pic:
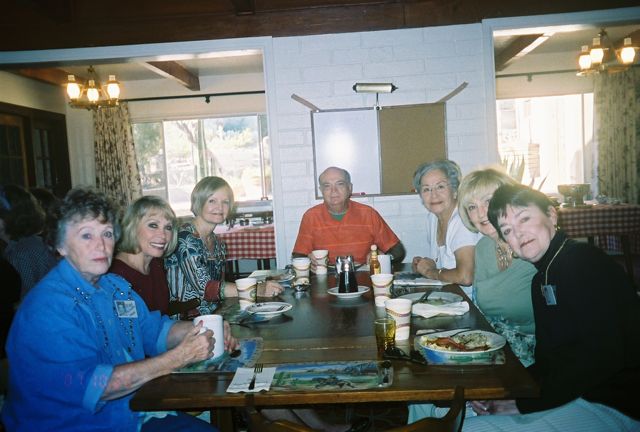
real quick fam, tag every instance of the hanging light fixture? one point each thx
(602, 56)
(93, 95)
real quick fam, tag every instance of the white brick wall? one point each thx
(425, 64)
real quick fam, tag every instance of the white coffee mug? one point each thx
(215, 324)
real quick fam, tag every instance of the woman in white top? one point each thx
(450, 245)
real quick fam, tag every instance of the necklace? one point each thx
(504, 256)
(546, 271)
(126, 324)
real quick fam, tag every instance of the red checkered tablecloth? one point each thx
(602, 221)
(248, 242)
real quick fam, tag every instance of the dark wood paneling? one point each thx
(55, 124)
(86, 24)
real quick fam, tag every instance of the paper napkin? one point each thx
(427, 310)
(243, 377)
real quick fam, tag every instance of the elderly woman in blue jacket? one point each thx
(82, 341)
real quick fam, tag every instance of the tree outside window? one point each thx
(234, 148)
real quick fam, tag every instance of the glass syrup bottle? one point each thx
(374, 264)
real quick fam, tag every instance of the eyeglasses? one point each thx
(395, 353)
(438, 188)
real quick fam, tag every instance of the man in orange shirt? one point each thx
(342, 226)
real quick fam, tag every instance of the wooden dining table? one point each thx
(322, 328)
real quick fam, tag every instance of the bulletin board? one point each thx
(379, 147)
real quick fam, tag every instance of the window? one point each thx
(174, 154)
(551, 136)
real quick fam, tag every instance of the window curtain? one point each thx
(617, 125)
(116, 165)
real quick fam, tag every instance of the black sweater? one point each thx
(588, 344)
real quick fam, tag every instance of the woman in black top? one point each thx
(587, 313)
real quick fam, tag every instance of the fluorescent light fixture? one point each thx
(374, 88)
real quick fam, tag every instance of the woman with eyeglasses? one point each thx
(450, 244)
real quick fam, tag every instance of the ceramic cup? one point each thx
(385, 263)
(246, 291)
(321, 256)
(215, 324)
(382, 284)
(301, 266)
(400, 310)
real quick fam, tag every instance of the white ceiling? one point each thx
(561, 50)
(212, 64)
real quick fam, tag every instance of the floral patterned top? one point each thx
(195, 272)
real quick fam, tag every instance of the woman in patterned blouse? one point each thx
(195, 270)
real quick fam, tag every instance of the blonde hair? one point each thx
(133, 216)
(204, 189)
(477, 184)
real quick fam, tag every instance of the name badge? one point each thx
(126, 308)
(549, 293)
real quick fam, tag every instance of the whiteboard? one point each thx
(349, 139)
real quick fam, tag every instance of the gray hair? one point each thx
(450, 169)
(345, 173)
(84, 203)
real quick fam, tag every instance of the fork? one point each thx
(256, 370)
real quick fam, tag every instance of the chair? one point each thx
(451, 422)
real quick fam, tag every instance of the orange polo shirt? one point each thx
(359, 228)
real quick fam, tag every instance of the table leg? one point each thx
(222, 418)
(628, 259)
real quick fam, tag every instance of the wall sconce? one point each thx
(376, 88)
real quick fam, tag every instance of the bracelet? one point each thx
(439, 273)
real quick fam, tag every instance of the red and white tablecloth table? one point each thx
(248, 242)
(609, 223)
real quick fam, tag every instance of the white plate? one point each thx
(435, 298)
(269, 309)
(361, 290)
(494, 341)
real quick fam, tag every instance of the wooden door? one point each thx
(13, 153)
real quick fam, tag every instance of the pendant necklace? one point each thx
(546, 271)
(549, 291)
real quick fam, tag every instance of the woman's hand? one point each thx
(495, 407)
(230, 343)
(423, 265)
(269, 289)
(195, 346)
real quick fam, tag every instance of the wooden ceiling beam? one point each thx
(518, 45)
(175, 71)
(55, 76)
(244, 7)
